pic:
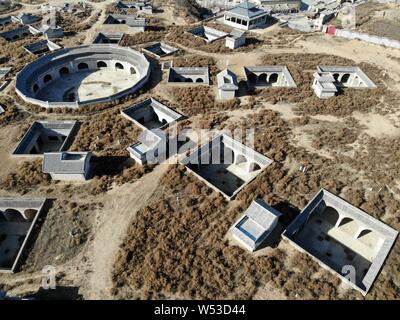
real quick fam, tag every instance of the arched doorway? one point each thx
(252, 78)
(345, 78)
(262, 79)
(349, 226)
(101, 64)
(253, 166)
(47, 78)
(240, 159)
(83, 66)
(13, 215)
(336, 77)
(63, 71)
(119, 65)
(273, 78)
(330, 215)
(199, 80)
(30, 214)
(133, 71)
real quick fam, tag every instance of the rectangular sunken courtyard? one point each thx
(41, 47)
(160, 49)
(189, 75)
(207, 34)
(46, 136)
(151, 114)
(268, 76)
(226, 165)
(17, 219)
(342, 238)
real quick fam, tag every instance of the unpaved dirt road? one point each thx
(121, 205)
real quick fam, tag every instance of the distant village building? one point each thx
(257, 223)
(140, 6)
(67, 166)
(246, 16)
(235, 39)
(227, 84)
(280, 5)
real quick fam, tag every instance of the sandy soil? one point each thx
(121, 205)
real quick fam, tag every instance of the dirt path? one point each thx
(121, 206)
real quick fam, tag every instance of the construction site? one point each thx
(93, 92)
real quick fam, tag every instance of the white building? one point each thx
(150, 148)
(227, 84)
(245, 16)
(67, 166)
(255, 225)
(235, 39)
(280, 5)
(323, 85)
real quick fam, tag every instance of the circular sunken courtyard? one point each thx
(83, 75)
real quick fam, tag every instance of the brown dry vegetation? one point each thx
(194, 60)
(106, 134)
(177, 247)
(200, 100)
(11, 114)
(180, 36)
(14, 55)
(78, 20)
(188, 9)
(26, 177)
(142, 37)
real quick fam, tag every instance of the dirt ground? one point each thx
(378, 19)
(158, 232)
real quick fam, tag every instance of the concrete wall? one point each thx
(32, 78)
(188, 76)
(225, 94)
(233, 43)
(368, 38)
